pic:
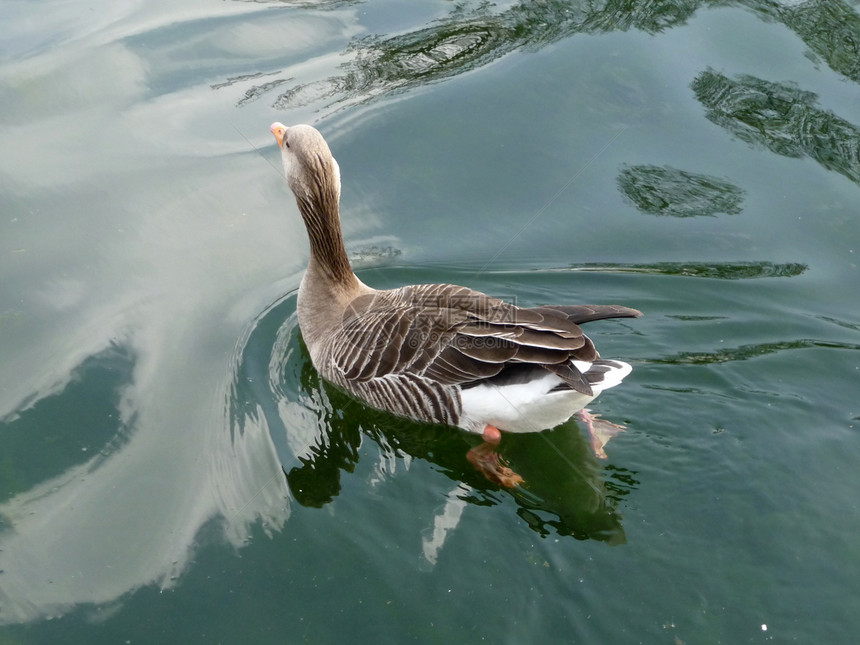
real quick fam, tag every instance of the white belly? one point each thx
(529, 407)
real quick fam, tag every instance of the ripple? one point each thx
(782, 118)
(717, 270)
(318, 433)
(666, 191)
(746, 352)
(474, 36)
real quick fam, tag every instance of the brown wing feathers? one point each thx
(458, 336)
(581, 314)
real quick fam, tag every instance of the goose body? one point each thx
(438, 353)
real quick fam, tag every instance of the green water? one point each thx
(173, 470)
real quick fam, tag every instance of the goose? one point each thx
(437, 353)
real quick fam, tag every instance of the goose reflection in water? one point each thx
(567, 491)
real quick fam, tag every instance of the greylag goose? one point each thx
(437, 353)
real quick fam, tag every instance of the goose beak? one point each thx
(279, 130)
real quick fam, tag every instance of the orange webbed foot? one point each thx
(487, 460)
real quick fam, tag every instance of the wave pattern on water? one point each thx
(781, 118)
(831, 29)
(662, 190)
(746, 352)
(473, 35)
(718, 270)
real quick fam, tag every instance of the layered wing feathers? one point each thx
(457, 336)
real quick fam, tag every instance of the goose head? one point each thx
(309, 167)
(314, 177)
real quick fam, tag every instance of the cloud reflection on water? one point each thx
(130, 242)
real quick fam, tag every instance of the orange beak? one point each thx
(279, 130)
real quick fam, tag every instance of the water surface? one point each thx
(173, 469)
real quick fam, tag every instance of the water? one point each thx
(696, 161)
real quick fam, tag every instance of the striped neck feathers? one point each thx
(317, 192)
